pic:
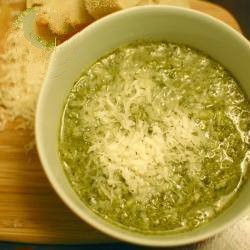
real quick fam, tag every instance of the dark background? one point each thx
(241, 11)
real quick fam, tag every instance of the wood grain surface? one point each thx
(30, 211)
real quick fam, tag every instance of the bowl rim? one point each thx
(129, 236)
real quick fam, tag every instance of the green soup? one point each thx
(155, 137)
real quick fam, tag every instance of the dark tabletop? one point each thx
(241, 10)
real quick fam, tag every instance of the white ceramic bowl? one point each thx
(67, 62)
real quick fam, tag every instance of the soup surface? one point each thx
(155, 137)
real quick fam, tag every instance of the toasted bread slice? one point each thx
(100, 8)
(62, 18)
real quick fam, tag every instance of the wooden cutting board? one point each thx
(30, 211)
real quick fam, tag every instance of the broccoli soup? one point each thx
(155, 138)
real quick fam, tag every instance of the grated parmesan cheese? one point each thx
(22, 68)
(138, 152)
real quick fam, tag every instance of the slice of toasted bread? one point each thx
(100, 8)
(60, 17)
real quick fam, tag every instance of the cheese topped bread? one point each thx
(100, 8)
(62, 18)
